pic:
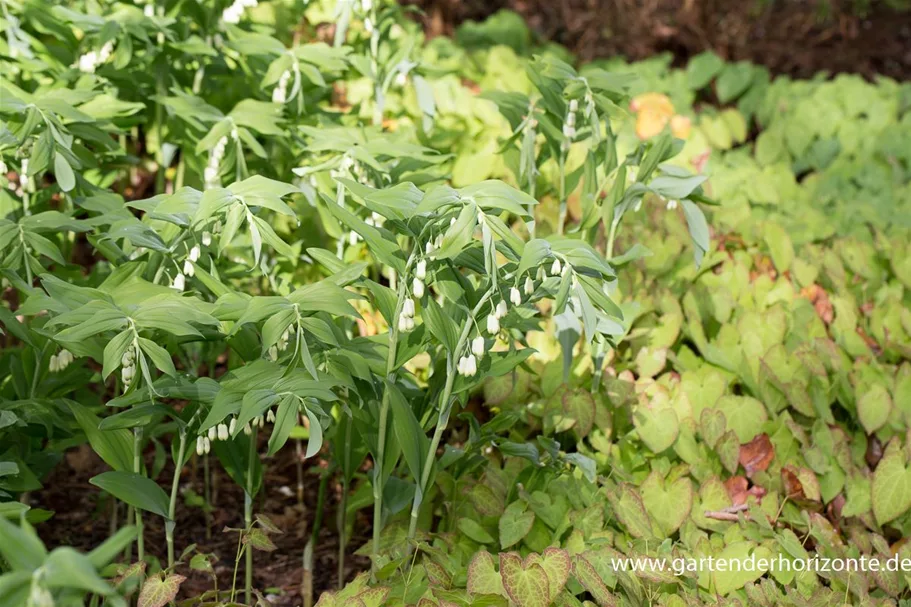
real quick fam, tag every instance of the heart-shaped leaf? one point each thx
(891, 485)
(556, 564)
(526, 583)
(483, 577)
(668, 504)
(157, 592)
(515, 523)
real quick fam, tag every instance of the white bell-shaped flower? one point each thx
(420, 270)
(417, 287)
(493, 324)
(501, 309)
(529, 285)
(555, 268)
(478, 346)
(515, 296)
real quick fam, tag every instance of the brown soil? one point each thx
(796, 37)
(82, 520)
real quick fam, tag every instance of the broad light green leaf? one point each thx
(891, 487)
(134, 489)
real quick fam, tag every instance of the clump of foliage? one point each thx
(221, 235)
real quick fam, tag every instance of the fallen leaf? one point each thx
(756, 455)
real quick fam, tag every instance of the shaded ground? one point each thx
(796, 37)
(83, 520)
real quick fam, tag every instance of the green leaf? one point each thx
(482, 575)
(160, 357)
(874, 405)
(699, 228)
(20, 546)
(66, 568)
(515, 523)
(475, 531)
(285, 420)
(64, 173)
(891, 487)
(258, 539)
(408, 431)
(115, 447)
(135, 490)
(668, 504)
(702, 69)
(535, 252)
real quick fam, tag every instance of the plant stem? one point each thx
(342, 517)
(137, 468)
(609, 254)
(159, 132)
(384, 417)
(561, 220)
(207, 495)
(171, 523)
(443, 419)
(248, 517)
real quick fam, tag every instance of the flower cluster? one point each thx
(215, 157)
(406, 320)
(233, 13)
(60, 361)
(280, 92)
(224, 431)
(92, 59)
(281, 346)
(128, 372)
(569, 123)
(188, 267)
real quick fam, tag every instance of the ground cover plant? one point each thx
(522, 316)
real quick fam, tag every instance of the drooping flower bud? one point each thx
(501, 309)
(529, 285)
(515, 296)
(420, 270)
(471, 365)
(403, 323)
(206, 239)
(477, 346)
(213, 433)
(541, 274)
(672, 205)
(194, 253)
(188, 268)
(200, 445)
(270, 416)
(573, 105)
(408, 308)
(179, 282)
(232, 426)
(555, 268)
(247, 429)
(417, 287)
(223, 432)
(493, 324)
(208, 445)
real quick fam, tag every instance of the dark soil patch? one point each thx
(83, 520)
(795, 37)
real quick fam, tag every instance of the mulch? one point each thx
(83, 520)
